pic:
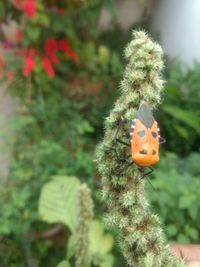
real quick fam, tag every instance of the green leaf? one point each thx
(33, 32)
(185, 201)
(109, 6)
(193, 233)
(183, 239)
(193, 211)
(40, 6)
(71, 246)
(84, 127)
(185, 116)
(63, 264)
(2, 10)
(104, 55)
(88, 51)
(58, 201)
(57, 26)
(43, 19)
(100, 243)
(182, 131)
(68, 28)
(171, 229)
(107, 261)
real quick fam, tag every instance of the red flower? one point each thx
(51, 47)
(29, 62)
(9, 75)
(71, 54)
(17, 2)
(19, 35)
(61, 11)
(29, 8)
(64, 46)
(1, 63)
(48, 67)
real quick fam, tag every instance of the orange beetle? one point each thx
(144, 138)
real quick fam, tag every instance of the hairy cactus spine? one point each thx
(140, 235)
(83, 256)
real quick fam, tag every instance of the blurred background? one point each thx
(60, 67)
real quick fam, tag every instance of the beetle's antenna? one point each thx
(151, 184)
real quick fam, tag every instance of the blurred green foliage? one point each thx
(61, 121)
(56, 135)
(180, 113)
(59, 204)
(176, 199)
(101, 244)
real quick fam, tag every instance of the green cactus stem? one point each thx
(140, 234)
(83, 255)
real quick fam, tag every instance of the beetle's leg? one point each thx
(117, 132)
(147, 173)
(162, 140)
(122, 159)
(122, 142)
(126, 167)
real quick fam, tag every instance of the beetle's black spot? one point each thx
(141, 133)
(154, 134)
(153, 152)
(144, 151)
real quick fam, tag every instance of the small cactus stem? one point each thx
(83, 255)
(140, 234)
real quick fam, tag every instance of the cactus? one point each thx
(140, 234)
(83, 255)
